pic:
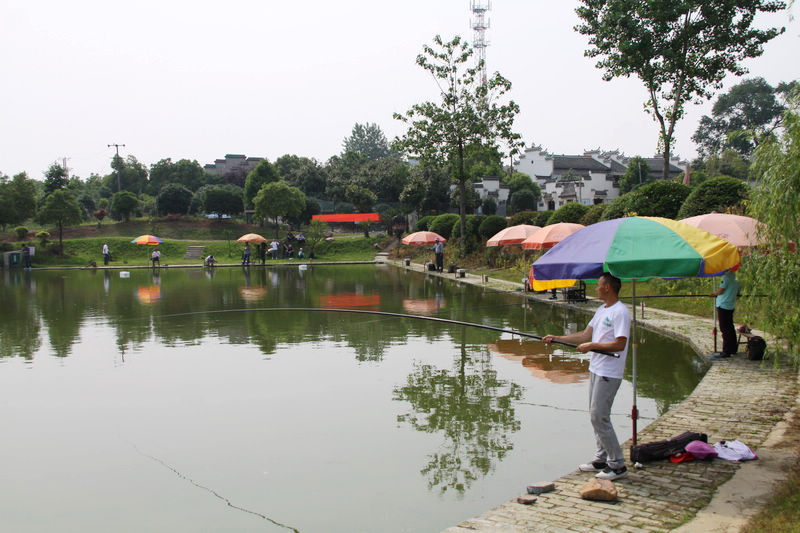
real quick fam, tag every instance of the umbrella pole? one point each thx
(714, 304)
(634, 409)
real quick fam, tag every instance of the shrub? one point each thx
(523, 201)
(569, 212)
(472, 225)
(344, 207)
(443, 224)
(717, 194)
(491, 225)
(424, 223)
(173, 198)
(659, 199)
(618, 207)
(543, 217)
(43, 237)
(489, 206)
(21, 232)
(524, 217)
(593, 215)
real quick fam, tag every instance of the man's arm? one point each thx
(572, 338)
(617, 345)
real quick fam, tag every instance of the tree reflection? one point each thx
(471, 407)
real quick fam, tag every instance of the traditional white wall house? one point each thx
(490, 187)
(591, 178)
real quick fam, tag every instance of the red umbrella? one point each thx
(549, 236)
(422, 238)
(512, 235)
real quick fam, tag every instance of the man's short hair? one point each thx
(614, 282)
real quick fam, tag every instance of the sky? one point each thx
(198, 79)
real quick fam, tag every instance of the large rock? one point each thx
(599, 489)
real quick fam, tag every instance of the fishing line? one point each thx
(212, 491)
(579, 410)
(380, 313)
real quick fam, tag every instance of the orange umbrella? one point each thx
(740, 231)
(422, 238)
(512, 235)
(151, 240)
(549, 236)
(251, 237)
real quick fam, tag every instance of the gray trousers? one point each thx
(601, 398)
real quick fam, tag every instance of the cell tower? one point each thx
(480, 23)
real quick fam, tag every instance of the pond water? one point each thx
(168, 402)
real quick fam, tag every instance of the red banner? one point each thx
(349, 217)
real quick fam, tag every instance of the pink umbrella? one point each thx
(512, 235)
(549, 236)
(422, 238)
(738, 230)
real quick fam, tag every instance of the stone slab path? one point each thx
(737, 399)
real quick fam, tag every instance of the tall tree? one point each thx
(302, 172)
(680, 50)
(17, 198)
(468, 114)
(277, 199)
(368, 140)
(184, 172)
(55, 178)
(740, 118)
(263, 174)
(59, 208)
(636, 175)
(173, 199)
(129, 175)
(123, 204)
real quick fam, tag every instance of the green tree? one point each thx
(774, 202)
(190, 174)
(360, 197)
(659, 199)
(123, 205)
(277, 199)
(59, 208)
(443, 224)
(681, 51)
(469, 114)
(301, 172)
(491, 225)
(619, 207)
(593, 215)
(342, 171)
(223, 200)
(519, 181)
(489, 206)
(427, 190)
(569, 212)
(722, 194)
(17, 199)
(523, 200)
(728, 163)
(315, 233)
(55, 178)
(367, 140)
(740, 118)
(129, 175)
(523, 217)
(173, 199)
(636, 175)
(263, 174)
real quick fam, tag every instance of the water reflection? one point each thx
(471, 407)
(542, 362)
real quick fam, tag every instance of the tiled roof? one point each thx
(578, 162)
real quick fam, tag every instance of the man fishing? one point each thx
(609, 330)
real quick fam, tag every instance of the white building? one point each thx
(591, 178)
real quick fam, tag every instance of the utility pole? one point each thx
(66, 170)
(116, 146)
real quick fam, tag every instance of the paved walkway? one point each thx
(737, 399)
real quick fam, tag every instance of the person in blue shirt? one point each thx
(726, 304)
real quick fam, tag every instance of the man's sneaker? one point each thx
(594, 466)
(612, 473)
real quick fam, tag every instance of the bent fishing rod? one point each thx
(383, 313)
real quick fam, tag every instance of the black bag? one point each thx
(662, 449)
(755, 348)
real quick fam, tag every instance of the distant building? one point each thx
(591, 178)
(490, 187)
(232, 163)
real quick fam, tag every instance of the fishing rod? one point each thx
(688, 296)
(383, 313)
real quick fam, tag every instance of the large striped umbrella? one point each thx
(736, 229)
(151, 240)
(251, 237)
(422, 238)
(550, 235)
(637, 247)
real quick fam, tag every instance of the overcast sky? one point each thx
(199, 79)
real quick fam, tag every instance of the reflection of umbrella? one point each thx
(637, 247)
(350, 300)
(423, 306)
(553, 368)
(252, 294)
(422, 238)
(251, 237)
(148, 295)
(512, 235)
(550, 235)
(151, 240)
(737, 230)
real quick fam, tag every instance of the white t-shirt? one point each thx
(607, 324)
(105, 249)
